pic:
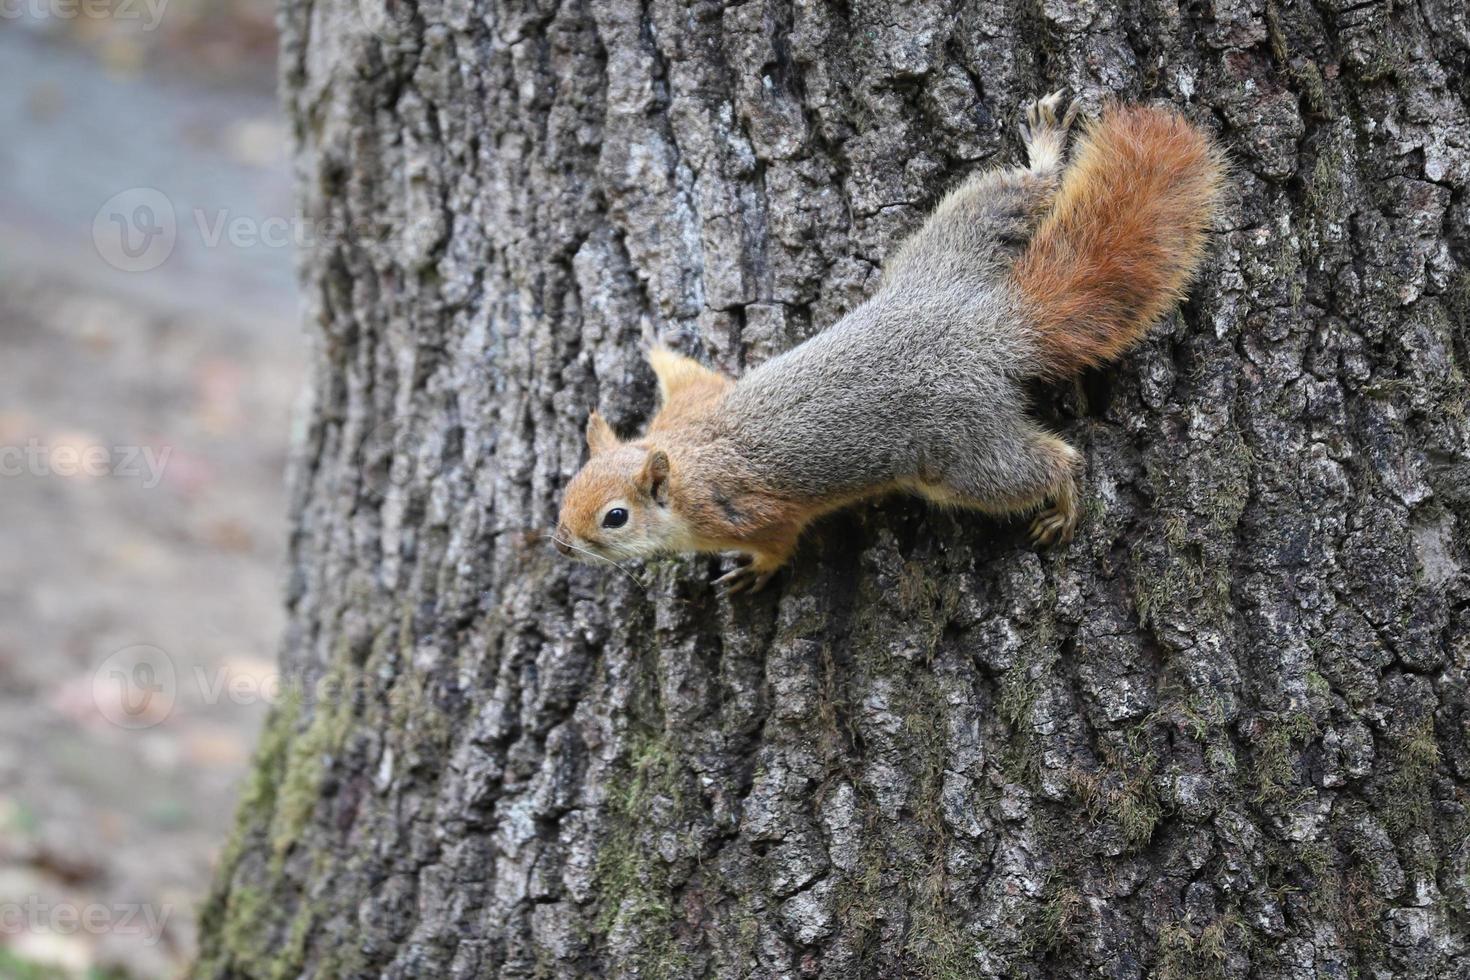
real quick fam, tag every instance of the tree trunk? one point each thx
(1223, 733)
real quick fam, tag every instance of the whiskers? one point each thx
(592, 554)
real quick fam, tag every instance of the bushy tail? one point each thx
(1125, 236)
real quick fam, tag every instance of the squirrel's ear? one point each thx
(654, 478)
(600, 436)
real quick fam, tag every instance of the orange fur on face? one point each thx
(672, 515)
(610, 478)
(1125, 236)
(639, 476)
(667, 513)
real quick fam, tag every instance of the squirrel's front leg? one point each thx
(755, 568)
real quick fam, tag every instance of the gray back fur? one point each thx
(917, 383)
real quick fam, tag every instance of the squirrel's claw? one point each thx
(1053, 526)
(1044, 125)
(744, 577)
(1043, 111)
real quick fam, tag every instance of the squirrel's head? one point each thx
(617, 506)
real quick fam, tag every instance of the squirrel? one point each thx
(1021, 272)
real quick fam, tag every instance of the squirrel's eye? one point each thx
(616, 517)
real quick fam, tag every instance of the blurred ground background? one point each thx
(194, 365)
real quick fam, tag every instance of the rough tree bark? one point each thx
(1224, 733)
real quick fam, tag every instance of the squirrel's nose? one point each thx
(561, 543)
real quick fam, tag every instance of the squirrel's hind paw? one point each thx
(1044, 132)
(1054, 526)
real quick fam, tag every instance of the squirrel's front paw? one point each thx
(746, 576)
(1044, 133)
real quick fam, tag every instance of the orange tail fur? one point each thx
(1125, 236)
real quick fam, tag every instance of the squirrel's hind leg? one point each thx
(1044, 131)
(1055, 524)
(981, 225)
(1024, 475)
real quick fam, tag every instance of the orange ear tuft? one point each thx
(654, 477)
(600, 436)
